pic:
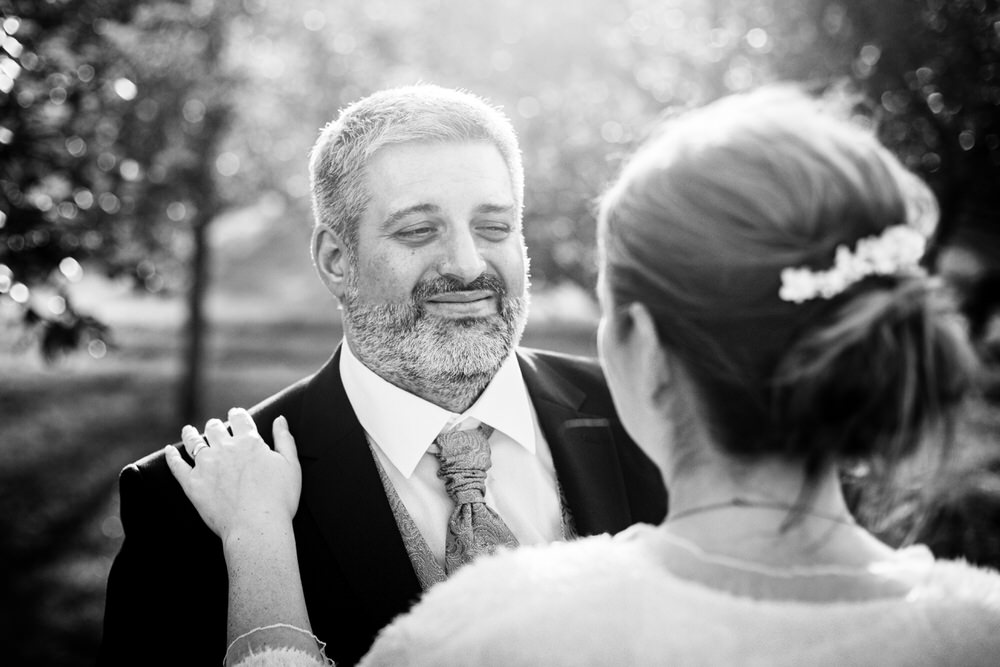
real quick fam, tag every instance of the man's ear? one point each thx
(330, 257)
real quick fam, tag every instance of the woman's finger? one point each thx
(241, 422)
(284, 443)
(217, 434)
(192, 440)
(180, 469)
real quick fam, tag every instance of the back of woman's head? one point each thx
(726, 226)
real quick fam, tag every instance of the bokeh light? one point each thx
(12, 46)
(126, 89)
(194, 111)
(176, 211)
(20, 293)
(57, 305)
(130, 169)
(84, 198)
(97, 349)
(11, 25)
(71, 269)
(314, 20)
(227, 164)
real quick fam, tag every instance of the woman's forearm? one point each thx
(266, 601)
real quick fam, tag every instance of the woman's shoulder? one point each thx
(610, 600)
(952, 614)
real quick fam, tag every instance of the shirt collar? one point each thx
(405, 430)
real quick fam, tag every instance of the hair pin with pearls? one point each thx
(897, 249)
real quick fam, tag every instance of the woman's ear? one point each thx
(330, 257)
(651, 363)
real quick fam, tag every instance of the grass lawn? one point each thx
(67, 429)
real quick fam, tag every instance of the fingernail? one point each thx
(188, 429)
(281, 422)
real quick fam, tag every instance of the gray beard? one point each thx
(448, 362)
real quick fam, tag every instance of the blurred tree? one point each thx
(111, 118)
(177, 55)
(65, 178)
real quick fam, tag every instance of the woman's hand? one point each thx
(238, 484)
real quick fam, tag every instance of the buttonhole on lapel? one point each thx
(586, 423)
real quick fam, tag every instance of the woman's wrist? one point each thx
(257, 537)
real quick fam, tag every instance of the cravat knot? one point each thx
(474, 527)
(465, 458)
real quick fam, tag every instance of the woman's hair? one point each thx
(700, 226)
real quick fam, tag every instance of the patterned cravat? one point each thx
(473, 528)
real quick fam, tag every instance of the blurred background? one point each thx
(154, 214)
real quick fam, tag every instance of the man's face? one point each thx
(438, 290)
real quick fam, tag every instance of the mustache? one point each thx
(427, 289)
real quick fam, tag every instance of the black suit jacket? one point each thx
(167, 591)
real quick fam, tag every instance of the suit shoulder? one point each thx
(286, 402)
(152, 467)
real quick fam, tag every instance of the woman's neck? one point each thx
(717, 477)
(751, 530)
(766, 511)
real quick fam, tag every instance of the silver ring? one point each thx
(197, 449)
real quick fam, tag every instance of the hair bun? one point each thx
(888, 360)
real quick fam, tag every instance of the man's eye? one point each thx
(415, 233)
(494, 231)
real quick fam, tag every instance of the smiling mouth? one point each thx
(473, 303)
(461, 297)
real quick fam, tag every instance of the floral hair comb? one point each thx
(897, 248)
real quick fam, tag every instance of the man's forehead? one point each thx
(429, 150)
(415, 174)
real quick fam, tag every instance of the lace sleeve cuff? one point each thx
(277, 645)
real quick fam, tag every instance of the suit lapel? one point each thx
(341, 489)
(583, 450)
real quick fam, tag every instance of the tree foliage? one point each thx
(112, 118)
(65, 177)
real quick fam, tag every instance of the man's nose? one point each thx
(463, 259)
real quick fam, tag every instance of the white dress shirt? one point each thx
(521, 484)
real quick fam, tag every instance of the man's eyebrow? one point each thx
(396, 216)
(495, 208)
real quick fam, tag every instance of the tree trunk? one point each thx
(192, 384)
(205, 196)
